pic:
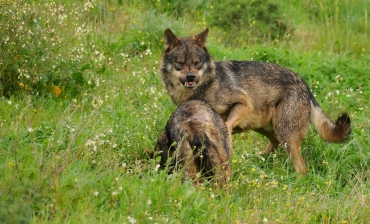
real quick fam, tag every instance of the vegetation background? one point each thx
(82, 98)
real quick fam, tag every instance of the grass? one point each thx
(77, 154)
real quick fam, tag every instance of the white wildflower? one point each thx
(156, 167)
(131, 220)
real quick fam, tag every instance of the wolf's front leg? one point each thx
(237, 114)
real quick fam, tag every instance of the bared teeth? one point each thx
(189, 84)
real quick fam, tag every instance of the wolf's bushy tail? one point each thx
(332, 132)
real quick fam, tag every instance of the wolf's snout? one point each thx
(190, 77)
(190, 81)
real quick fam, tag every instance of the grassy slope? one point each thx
(82, 158)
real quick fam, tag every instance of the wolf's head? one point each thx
(185, 60)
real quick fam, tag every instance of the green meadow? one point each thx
(82, 101)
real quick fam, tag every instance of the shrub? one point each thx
(258, 20)
(44, 48)
(176, 8)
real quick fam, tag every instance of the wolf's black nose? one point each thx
(190, 77)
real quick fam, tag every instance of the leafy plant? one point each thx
(41, 47)
(257, 21)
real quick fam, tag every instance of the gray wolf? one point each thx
(195, 140)
(248, 95)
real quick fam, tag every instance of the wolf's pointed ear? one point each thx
(201, 38)
(170, 40)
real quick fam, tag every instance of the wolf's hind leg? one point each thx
(293, 148)
(292, 121)
(291, 142)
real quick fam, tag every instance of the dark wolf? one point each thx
(267, 98)
(195, 139)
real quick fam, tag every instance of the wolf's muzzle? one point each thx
(190, 77)
(190, 80)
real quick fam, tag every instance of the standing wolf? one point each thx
(196, 139)
(264, 97)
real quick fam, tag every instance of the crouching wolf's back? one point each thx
(196, 139)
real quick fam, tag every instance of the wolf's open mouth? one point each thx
(189, 84)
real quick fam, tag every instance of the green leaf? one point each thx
(44, 78)
(85, 67)
(101, 70)
(78, 77)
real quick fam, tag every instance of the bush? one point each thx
(258, 20)
(178, 9)
(44, 48)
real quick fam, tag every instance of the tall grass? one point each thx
(76, 152)
(330, 25)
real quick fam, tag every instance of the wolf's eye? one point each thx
(197, 63)
(180, 63)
